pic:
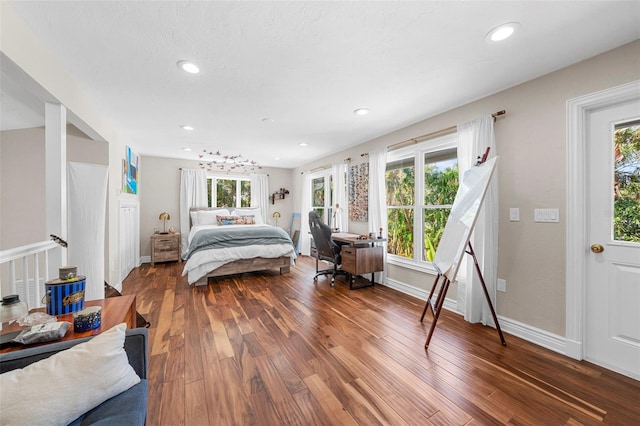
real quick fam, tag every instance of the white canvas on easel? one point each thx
(455, 238)
(462, 218)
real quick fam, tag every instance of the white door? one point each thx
(612, 316)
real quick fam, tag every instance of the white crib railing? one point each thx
(29, 284)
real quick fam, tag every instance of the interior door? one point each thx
(612, 314)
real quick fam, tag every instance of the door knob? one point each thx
(597, 248)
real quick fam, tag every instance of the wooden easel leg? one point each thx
(428, 303)
(438, 308)
(486, 294)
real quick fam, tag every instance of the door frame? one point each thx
(578, 111)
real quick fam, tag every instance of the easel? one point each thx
(436, 307)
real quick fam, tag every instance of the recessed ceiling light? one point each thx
(186, 127)
(361, 111)
(502, 32)
(303, 144)
(189, 67)
(276, 158)
(186, 149)
(267, 120)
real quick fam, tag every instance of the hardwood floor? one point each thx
(273, 349)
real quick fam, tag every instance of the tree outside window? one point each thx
(322, 196)
(229, 192)
(626, 197)
(415, 230)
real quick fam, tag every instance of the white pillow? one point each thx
(250, 211)
(57, 390)
(203, 217)
(208, 217)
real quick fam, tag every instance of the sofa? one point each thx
(126, 408)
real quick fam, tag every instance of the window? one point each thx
(421, 184)
(229, 192)
(322, 195)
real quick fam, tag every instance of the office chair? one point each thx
(326, 248)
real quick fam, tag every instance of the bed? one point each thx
(234, 241)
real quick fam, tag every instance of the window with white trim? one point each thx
(226, 191)
(421, 184)
(322, 195)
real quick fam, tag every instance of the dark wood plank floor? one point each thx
(271, 349)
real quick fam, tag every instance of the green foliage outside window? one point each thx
(626, 222)
(400, 184)
(245, 193)
(440, 188)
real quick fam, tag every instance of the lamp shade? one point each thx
(164, 216)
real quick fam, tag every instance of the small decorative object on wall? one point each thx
(276, 216)
(130, 172)
(359, 193)
(279, 195)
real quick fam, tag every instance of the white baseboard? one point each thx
(145, 259)
(524, 331)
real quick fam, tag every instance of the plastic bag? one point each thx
(43, 333)
(36, 318)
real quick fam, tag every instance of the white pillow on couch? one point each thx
(59, 389)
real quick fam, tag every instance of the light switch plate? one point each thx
(514, 214)
(547, 215)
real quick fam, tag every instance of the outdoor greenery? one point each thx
(441, 185)
(626, 222)
(226, 192)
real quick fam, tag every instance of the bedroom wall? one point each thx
(531, 141)
(160, 189)
(22, 177)
(22, 181)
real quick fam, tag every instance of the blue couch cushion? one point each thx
(127, 408)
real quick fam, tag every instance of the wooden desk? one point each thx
(115, 310)
(360, 256)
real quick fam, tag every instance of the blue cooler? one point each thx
(65, 296)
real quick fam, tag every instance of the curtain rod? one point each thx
(432, 135)
(326, 166)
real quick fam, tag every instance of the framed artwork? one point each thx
(130, 172)
(358, 177)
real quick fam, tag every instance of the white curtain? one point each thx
(377, 197)
(338, 170)
(193, 193)
(305, 206)
(260, 194)
(86, 219)
(473, 139)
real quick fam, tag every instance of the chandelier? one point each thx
(213, 161)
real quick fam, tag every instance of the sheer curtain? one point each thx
(473, 139)
(193, 193)
(305, 206)
(260, 194)
(377, 197)
(340, 196)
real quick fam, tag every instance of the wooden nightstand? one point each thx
(165, 248)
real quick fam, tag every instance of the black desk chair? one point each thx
(326, 248)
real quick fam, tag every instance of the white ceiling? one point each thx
(305, 65)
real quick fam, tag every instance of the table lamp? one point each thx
(164, 216)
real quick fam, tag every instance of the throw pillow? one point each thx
(57, 390)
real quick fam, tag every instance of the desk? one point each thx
(360, 256)
(114, 311)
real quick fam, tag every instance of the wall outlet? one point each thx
(501, 285)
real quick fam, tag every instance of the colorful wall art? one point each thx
(130, 172)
